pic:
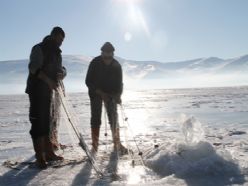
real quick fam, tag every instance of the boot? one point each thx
(54, 135)
(39, 152)
(50, 155)
(95, 138)
(56, 146)
(54, 140)
(117, 143)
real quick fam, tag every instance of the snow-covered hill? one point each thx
(201, 72)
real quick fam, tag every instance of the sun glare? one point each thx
(128, 1)
(128, 36)
(135, 21)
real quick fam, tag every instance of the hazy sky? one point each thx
(162, 30)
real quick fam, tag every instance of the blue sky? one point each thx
(162, 30)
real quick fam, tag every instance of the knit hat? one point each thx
(58, 30)
(107, 47)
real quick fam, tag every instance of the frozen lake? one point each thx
(200, 135)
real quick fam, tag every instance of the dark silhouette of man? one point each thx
(104, 82)
(45, 73)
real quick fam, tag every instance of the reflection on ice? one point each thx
(135, 175)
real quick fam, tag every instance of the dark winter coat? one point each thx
(51, 65)
(107, 78)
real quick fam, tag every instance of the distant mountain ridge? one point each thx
(15, 71)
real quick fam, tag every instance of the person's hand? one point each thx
(60, 76)
(52, 84)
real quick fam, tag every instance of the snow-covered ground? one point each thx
(187, 136)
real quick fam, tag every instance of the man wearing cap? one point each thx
(104, 82)
(45, 73)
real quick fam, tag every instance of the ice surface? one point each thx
(187, 136)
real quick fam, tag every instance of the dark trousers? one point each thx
(39, 115)
(96, 112)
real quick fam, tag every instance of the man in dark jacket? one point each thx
(45, 73)
(104, 81)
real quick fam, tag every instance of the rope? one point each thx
(130, 153)
(80, 136)
(125, 118)
(68, 115)
(113, 121)
(105, 123)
